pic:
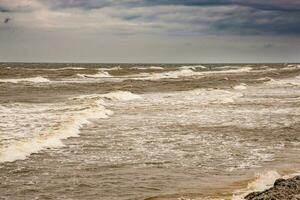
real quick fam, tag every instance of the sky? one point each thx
(150, 31)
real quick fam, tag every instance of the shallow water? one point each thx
(99, 131)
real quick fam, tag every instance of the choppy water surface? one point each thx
(100, 131)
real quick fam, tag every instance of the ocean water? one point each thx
(137, 131)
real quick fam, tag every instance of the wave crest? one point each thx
(49, 124)
(37, 79)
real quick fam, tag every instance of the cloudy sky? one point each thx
(150, 30)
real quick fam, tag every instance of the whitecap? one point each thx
(30, 128)
(37, 79)
(193, 67)
(155, 67)
(101, 74)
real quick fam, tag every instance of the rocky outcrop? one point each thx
(283, 189)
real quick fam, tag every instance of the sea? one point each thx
(147, 131)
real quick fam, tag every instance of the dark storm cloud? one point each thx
(280, 5)
(4, 10)
(83, 4)
(251, 21)
(253, 17)
(250, 16)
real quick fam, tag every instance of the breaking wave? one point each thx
(37, 79)
(146, 68)
(295, 81)
(167, 75)
(100, 74)
(186, 71)
(31, 128)
(193, 67)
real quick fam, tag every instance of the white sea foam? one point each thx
(193, 67)
(100, 74)
(155, 67)
(228, 67)
(121, 96)
(215, 96)
(166, 75)
(66, 68)
(63, 122)
(116, 96)
(231, 71)
(185, 71)
(37, 79)
(241, 86)
(56, 69)
(73, 68)
(28, 129)
(197, 97)
(109, 68)
(147, 68)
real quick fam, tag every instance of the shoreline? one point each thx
(288, 189)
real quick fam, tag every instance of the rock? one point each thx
(283, 189)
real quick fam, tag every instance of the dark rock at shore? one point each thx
(283, 189)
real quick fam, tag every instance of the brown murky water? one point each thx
(134, 131)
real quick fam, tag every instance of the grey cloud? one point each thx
(287, 5)
(190, 17)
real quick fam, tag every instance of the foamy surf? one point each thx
(147, 68)
(57, 69)
(33, 134)
(167, 75)
(117, 95)
(37, 79)
(185, 71)
(193, 67)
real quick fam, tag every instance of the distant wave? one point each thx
(230, 71)
(118, 95)
(170, 74)
(109, 68)
(70, 68)
(37, 79)
(193, 67)
(103, 75)
(100, 74)
(45, 126)
(55, 69)
(291, 67)
(183, 72)
(155, 67)
(295, 81)
(147, 68)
